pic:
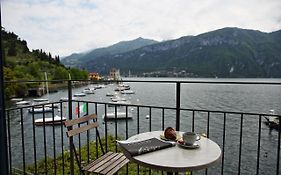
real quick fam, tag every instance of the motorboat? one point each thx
(127, 92)
(117, 98)
(118, 103)
(79, 94)
(40, 109)
(110, 94)
(100, 86)
(20, 103)
(17, 99)
(41, 100)
(272, 120)
(89, 91)
(56, 120)
(119, 116)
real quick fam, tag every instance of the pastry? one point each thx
(170, 133)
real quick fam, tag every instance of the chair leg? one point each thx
(77, 160)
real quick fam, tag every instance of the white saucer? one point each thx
(195, 145)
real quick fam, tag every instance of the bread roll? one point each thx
(170, 133)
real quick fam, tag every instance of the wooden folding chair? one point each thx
(108, 163)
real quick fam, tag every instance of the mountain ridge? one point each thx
(227, 52)
(120, 47)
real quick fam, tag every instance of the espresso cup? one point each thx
(190, 138)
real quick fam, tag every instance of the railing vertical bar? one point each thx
(116, 112)
(223, 142)
(45, 140)
(9, 142)
(97, 152)
(22, 139)
(70, 118)
(62, 133)
(138, 129)
(163, 119)
(240, 144)
(150, 116)
(278, 147)
(79, 135)
(54, 141)
(127, 135)
(127, 167)
(178, 101)
(193, 122)
(105, 126)
(208, 132)
(259, 145)
(88, 136)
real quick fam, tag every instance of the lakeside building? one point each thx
(114, 74)
(94, 76)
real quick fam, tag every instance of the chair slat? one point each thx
(96, 166)
(107, 164)
(115, 165)
(80, 120)
(90, 165)
(76, 131)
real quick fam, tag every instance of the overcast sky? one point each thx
(63, 27)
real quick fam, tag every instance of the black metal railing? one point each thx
(248, 146)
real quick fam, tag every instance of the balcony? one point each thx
(248, 145)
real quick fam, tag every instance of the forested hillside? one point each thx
(227, 52)
(22, 64)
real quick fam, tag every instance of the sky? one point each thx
(63, 27)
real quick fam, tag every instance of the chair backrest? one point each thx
(90, 121)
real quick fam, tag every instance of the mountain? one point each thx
(227, 52)
(78, 60)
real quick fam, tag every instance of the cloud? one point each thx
(66, 26)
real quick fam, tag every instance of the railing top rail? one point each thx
(214, 81)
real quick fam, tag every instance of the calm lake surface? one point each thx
(217, 97)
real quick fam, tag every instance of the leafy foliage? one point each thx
(22, 64)
(132, 167)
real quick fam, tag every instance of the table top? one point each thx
(176, 158)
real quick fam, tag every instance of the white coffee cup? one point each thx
(190, 138)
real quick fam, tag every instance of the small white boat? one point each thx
(57, 120)
(272, 121)
(66, 99)
(17, 99)
(116, 99)
(110, 94)
(89, 91)
(120, 116)
(22, 103)
(40, 109)
(127, 92)
(41, 100)
(99, 86)
(118, 103)
(79, 95)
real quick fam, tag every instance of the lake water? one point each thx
(217, 97)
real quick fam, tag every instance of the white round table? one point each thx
(176, 158)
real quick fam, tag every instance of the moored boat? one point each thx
(119, 116)
(40, 109)
(272, 120)
(56, 120)
(79, 95)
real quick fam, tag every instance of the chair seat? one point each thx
(107, 164)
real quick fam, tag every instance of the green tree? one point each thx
(12, 51)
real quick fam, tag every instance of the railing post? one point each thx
(3, 131)
(178, 101)
(70, 138)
